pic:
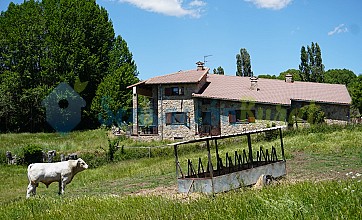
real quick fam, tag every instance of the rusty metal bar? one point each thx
(245, 158)
(176, 160)
(218, 159)
(250, 150)
(281, 142)
(179, 167)
(210, 164)
(190, 169)
(231, 166)
(227, 159)
(267, 157)
(200, 167)
(274, 154)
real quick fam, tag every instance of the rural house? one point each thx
(195, 103)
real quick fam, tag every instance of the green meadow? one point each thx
(323, 181)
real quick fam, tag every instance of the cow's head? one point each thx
(81, 164)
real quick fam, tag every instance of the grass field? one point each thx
(323, 181)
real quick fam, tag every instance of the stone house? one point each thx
(195, 103)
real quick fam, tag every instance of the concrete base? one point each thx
(231, 181)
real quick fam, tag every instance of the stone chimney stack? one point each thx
(200, 65)
(254, 83)
(289, 78)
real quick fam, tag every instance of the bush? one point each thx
(32, 154)
(94, 159)
(312, 113)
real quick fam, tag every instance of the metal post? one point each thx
(250, 150)
(210, 165)
(176, 160)
(217, 150)
(281, 142)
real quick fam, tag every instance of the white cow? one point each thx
(62, 172)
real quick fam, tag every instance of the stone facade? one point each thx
(177, 114)
(265, 115)
(180, 104)
(334, 114)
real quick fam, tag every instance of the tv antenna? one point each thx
(205, 57)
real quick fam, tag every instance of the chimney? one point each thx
(289, 78)
(254, 83)
(200, 65)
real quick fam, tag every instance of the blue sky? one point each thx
(166, 36)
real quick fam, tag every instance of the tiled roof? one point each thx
(273, 91)
(189, 76)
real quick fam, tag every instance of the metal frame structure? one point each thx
(240, 169)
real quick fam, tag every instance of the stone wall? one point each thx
(181, 103)
(334, 113)
(265, 115)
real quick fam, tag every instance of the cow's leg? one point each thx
(60, 187)
(62, 184)
(31, 190)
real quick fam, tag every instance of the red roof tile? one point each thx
(273, 91)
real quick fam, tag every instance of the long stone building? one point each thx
(194, 103)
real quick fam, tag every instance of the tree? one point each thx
(44, 43)
(243, 63)
(356, 93)
(312, 113)
(219, 71)
(311, 66)
(295, 73)
(304, 66)
(113, 99)
(339, 76)
(267, 76)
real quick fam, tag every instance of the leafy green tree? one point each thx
(339, 76)
(295, 73)
(356, 93)
(43, 43)
(243, 63)
(311, 66)
(304, 66)
(22, 76)
(113, 100)
(219, 71)
(267, 76)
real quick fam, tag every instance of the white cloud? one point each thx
(197, 3)
(270, 4)
(170, 7)
(339, 29)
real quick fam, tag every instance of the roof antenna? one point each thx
(205, 57)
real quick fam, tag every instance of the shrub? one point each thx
(271, 135)
(33, 154)
(112, 148)
(94, 159)
(312, 113)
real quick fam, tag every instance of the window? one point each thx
(176, 118)
(174, 91)
(242, 116)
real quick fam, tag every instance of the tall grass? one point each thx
(325, 200)
(107, 191)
